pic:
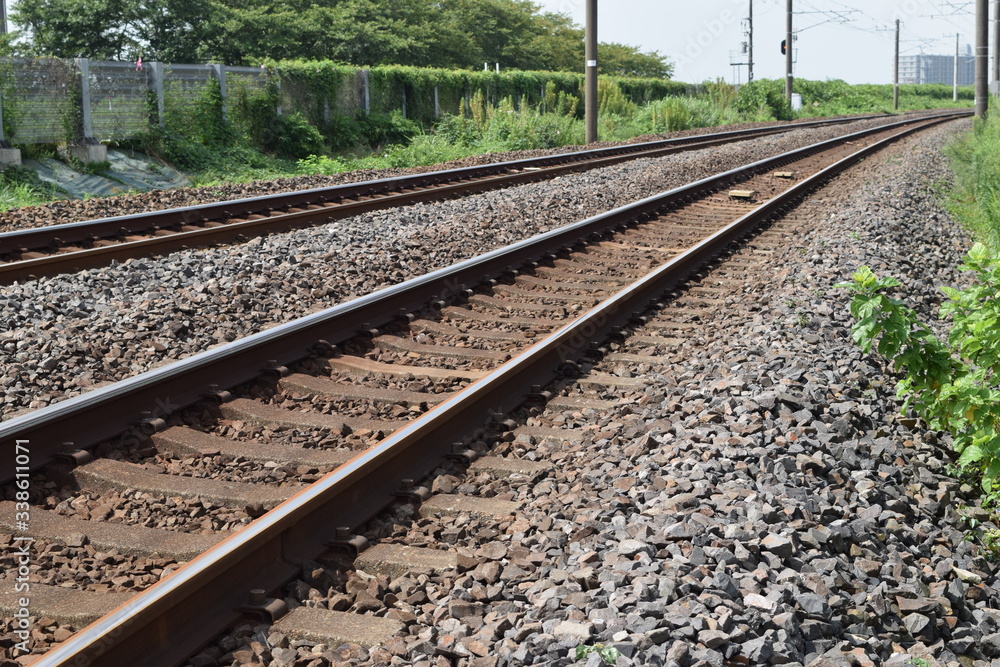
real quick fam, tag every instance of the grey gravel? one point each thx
(63, 335)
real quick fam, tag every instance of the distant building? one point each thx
(937, 69)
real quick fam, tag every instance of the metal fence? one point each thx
(49, 100)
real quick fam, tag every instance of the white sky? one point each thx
(699, 37)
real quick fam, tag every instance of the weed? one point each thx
(609, 654)
(951, 385)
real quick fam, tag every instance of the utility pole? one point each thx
(3, 17)
(788, 53)
(996, 42)
(982, 57)
(590, 91)
(750, 43)
(895, 73)
(954, 94)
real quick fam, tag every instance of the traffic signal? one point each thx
(783, 47)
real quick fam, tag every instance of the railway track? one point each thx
(365, 397)
(37, 252)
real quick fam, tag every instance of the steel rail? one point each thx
(204, 596)
(333, 202)
(120, 408)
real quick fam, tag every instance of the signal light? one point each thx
(783, 47)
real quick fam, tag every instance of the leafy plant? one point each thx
(292, 137)
(763, 99)
(609, 654)
(952, 385)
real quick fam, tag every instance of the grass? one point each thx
(21, 187)
(975, 162)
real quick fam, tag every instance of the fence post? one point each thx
(278, 108)
(156, 73)
(437, 103)
(366, 92)
(220, 76)
(8, 156)
(404, 100)
(89, 150)
(83, 64)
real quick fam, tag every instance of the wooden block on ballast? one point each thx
(742, 194)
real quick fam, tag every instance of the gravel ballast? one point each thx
(65, 334)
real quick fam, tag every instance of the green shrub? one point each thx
(379, 129)
(763, 99)
(292, 137)
(342, 133)
(684, 113)
(952, 385)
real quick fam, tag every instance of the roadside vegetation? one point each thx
(256, 143)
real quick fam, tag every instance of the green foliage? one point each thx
(320, 165)
(446, 33)
(559, 102)
(504, 128)
(611, 100)
(381, 129)
(20, 186)
(684, 113)
(622, 60)
(952, 385)
(88, 167)
(609, 654)
(763, 99)
(975, 200)
(291, 137)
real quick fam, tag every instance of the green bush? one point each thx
(342, 133)
(383, 129)
(952, 385)
(292, 137)
(685, 113)
(763, 99)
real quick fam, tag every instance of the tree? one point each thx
(622, 60)
(101, 29)
(429, 33)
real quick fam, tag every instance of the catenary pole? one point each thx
(590, 91)
(996, 42)
(982, 57)
(954, 78)
(750, 44)
(895, 73)
(788, 52)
